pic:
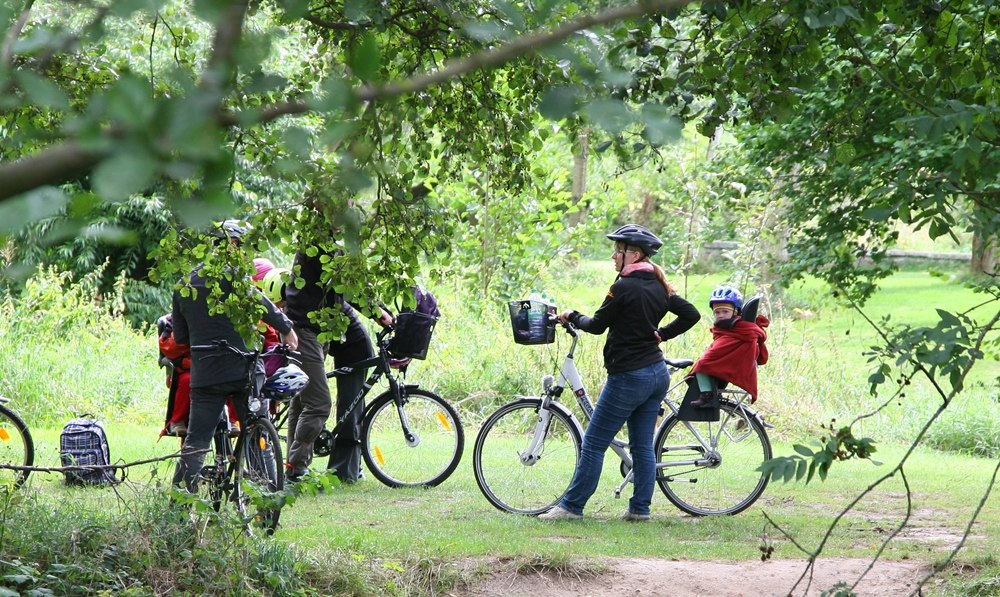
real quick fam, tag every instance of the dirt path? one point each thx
(642, 577)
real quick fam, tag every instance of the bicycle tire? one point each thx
(213, 488)
(512, 485)
(259, 462)
(16, 448)
(731, 483)
(428, 457)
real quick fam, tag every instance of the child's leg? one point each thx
(708, 388)
(704, 382)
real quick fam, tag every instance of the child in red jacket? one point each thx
(736, 350)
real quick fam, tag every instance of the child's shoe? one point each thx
(704, 400)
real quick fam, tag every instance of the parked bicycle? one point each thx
(16, 448)
(526, 452)
(253, 468)
(409, 436)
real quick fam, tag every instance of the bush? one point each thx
(68, 351)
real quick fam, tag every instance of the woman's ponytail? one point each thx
(662, 277)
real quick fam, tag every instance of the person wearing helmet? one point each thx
(308, 412)
(214, 375)
(271, 280)
(233, 230)
(637, 376)
(737, 347)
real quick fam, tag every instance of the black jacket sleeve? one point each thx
(687, 315)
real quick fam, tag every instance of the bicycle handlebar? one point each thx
(220, 345)
(566, 325)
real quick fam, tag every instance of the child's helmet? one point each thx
(286, 383)
(272, 284)
(726, 294)
(638, 236)
(262, 265)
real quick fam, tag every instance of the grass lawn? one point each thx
(455, 521)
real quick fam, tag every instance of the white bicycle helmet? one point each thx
(286, 383)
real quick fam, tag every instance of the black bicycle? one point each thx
(16, 449)
(409, 436)
(252, 470)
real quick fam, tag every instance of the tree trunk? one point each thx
(580, 174)
(984, 255)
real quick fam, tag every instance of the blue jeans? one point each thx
(631, 398)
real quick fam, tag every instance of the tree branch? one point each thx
(56, 166)
(7, 51)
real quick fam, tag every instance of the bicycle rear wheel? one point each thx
(417, 442)
(259, 472)
(16, 448)
(514, 481)
(720, 476)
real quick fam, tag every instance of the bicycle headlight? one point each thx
(547, 383)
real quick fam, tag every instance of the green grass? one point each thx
(399, 541)
(453, 521)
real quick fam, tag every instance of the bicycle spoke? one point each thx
(510, 477)
(720, 477)
(419, 443)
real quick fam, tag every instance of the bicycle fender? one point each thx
(554, 406)
(748, 410)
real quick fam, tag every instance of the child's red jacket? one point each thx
(735, 353)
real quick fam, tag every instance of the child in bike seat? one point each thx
(737, 347)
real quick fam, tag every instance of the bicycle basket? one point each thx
(412, 335)
(531, 321)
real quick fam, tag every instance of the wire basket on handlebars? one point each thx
(412, 335)
(532, 322)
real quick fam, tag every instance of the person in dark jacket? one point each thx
(214, 375)
(637, 376)
(309, 411)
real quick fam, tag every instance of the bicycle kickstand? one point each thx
(621, 486)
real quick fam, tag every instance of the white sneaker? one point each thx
(559, 513)
(633, 517)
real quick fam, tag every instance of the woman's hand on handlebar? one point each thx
(291, 339)
(385, 319)
(565, 315)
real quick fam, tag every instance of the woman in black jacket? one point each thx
(637, 376)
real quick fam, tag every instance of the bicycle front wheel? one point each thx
(259, 473)
(417, 440)
(16, 448)
(511, 476)
(712, 466)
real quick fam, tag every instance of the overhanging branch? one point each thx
(68, 160)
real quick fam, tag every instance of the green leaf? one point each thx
(358, 10)
(365, 58)
(610, 114)
(295, 9)
(41, 91)
(662, 126)
(803, 450)
(337, 94)
(123, 174)
(559, 102)
(487, 31)
(33, 206)
(298, 141)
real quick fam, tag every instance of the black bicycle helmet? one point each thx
(638, 236)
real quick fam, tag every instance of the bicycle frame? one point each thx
(380, 363)
(570, 377)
